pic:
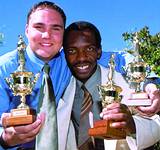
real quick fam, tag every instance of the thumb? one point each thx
(151, 88)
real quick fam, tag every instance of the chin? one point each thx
(82, 78)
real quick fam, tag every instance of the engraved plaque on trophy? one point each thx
(21, 82)
(137, 71)
(109, 93)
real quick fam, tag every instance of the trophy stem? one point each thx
(138, 89)
(23, 103)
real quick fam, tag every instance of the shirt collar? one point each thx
(39, 63)
(94, 79)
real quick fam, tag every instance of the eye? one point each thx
(39, 27)
(91, 48)
(57, 28)
(71, 51)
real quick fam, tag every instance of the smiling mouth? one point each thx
(83, 67)
(46, 44)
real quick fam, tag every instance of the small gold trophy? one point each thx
(137, 71)
(21, 82)
(109, 93)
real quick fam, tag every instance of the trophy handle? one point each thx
(35, 79)
(9, 83)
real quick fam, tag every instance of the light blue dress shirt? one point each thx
(60, 76)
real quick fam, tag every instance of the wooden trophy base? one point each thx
(103, 130)
(139, 99)
(20, 117)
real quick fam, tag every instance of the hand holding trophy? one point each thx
(21, 82)
(136, 74)
(109, 93)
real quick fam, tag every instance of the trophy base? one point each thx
(139, 99)
(103, 130)
(20, 117)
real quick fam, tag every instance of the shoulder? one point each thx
(120, 60)
(8, 57)
(60, 57)
(8, 62)
(105, 70)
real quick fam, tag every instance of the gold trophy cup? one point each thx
(137, 71)
(109, 93)
(21, 82)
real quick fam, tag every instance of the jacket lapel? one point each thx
(64, 113)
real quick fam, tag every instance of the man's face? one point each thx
(45, 33)
(82, 53)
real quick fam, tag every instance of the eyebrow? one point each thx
(55, 25)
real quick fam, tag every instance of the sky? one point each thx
(112, 18)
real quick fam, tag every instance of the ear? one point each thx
(99, 53)
(26, 30)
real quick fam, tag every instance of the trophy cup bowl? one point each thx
(109, 93)
(21, 82)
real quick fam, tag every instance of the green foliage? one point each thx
(149, 47)
(157, 146)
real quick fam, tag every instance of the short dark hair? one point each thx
(83, 26)
(47, 4)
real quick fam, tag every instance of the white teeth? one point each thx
(83, 67)
(46, 44)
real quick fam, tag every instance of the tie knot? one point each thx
(83, 87)
(86, 92)
(46, 68)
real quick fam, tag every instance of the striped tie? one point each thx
(84, 125)
(47, 139)
(87, 102)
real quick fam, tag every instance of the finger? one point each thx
(149, 110)
(113, 111)
(27, 140)
(152, 91)
(25, 137)
(27, 128)
(101, 115)
(41, 116)
(3, 117)
(150, 87)
(115, 117)
(113, 106)
(121, 124)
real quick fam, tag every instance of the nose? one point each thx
(46, 34)
(81, 55)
